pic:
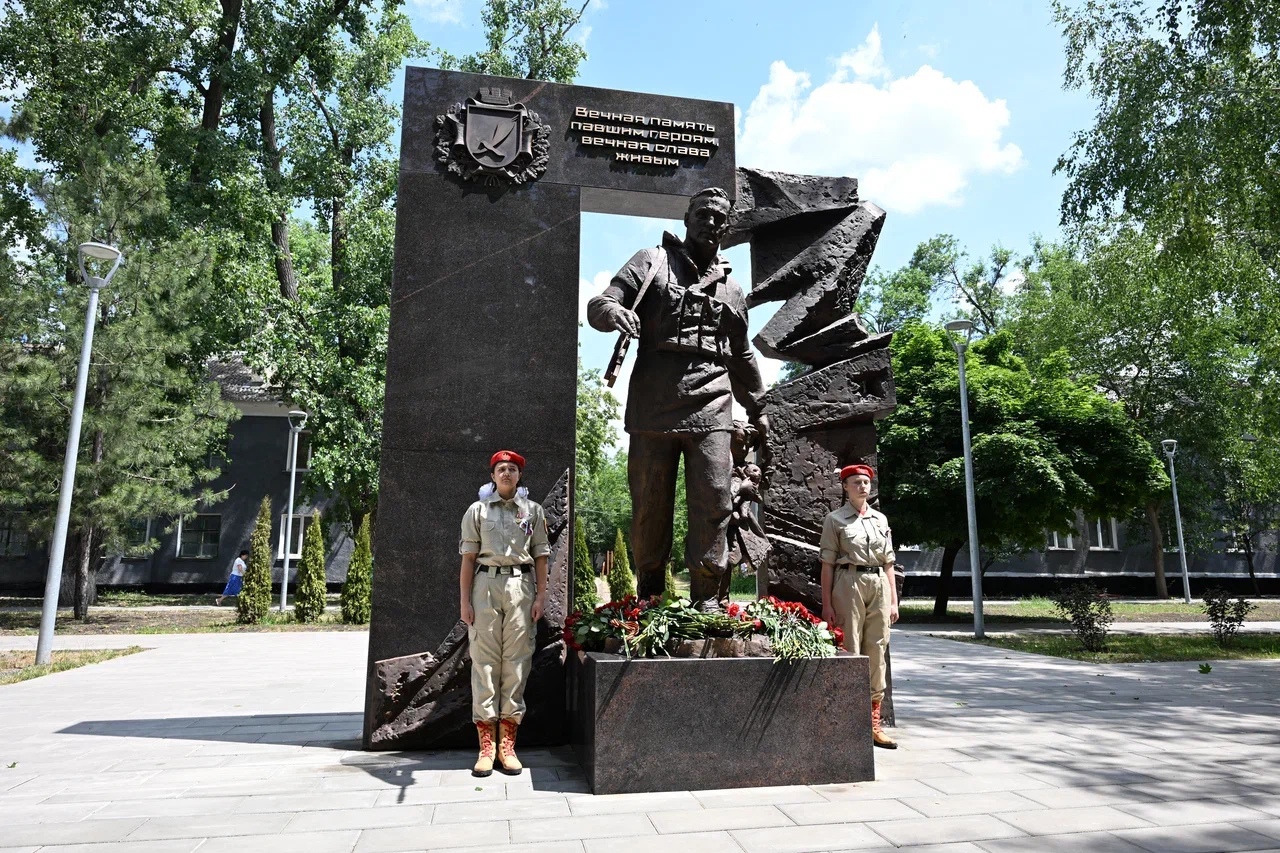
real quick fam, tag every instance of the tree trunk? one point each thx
(1248, 559)
(275, 181)
(942, 595)
(67, 581)
(1157, 550)
(86, 588)
(215, 93)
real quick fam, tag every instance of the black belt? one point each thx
(494, 571)
(875, 569)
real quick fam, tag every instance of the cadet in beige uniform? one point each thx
(858, 589)
(502, 594)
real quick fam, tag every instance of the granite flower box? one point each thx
(697, 723)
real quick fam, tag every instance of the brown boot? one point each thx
(488, 748)
(507, 761)
(878, 737)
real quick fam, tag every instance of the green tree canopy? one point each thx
(1044, 445)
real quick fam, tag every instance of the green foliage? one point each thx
(1184, 137)
(1225, 616)
(357, 589)
(309, 598)
(742, 582)
(621, 580)
(255, 596)
(1089, 611)
(888, 301)
(527, 38)
(596, 411)
(1044, 445)
(584, 576)
(669, 591)
(603, 502)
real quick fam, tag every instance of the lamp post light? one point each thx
(297, 421)
(975, 566)
(1170, 447)
(58, 544)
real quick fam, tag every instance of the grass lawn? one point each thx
(1141, 648)
(21, 666)
(1041, 610)
(117, 620)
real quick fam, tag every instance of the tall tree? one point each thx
(1044, 445)
(1171, 337)
(1184, 137)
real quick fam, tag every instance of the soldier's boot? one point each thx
(704, 588)
(878, 737)
(507, 761)
(488, 749)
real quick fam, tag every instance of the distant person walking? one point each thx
(236, 581)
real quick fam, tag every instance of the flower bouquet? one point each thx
(648, 627)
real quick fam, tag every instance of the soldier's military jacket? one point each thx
(856, 540)
(504, 532)
(693, 354)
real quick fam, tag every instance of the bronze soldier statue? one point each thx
(693, 360)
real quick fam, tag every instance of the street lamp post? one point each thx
(1170, 447)
(58, 544)
(975, 566)
(297, 420)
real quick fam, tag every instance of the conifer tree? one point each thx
(621, 581)
(584, 576)
(255, 596)
(357, 590)
(669, 587)
(308, 605)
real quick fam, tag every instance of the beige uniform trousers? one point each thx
(502, 637)
(861, 602)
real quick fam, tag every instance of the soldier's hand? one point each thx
(537, 608)
(829, 615)
(893, 613)
(761, 424)
(626, 320)
(467, 615)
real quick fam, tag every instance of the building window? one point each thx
(295, 537)
(1102, 534)
(137, 533)
(1055, 541)
(198, 537)
(304, 450)
(13, 537)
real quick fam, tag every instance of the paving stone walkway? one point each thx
(247, 742)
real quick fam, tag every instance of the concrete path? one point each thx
(1004, 630)
(246, 742)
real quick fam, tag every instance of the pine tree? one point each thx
(255, 597)
(308, 605)
(669, 591)
(584, 575)
(357, 589)
(621, 581)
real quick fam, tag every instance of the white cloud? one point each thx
(440, 11)
(913, 142)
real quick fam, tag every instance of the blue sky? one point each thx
(952, 115)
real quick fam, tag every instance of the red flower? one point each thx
(758, 625)
(734, 609)
(838, 635)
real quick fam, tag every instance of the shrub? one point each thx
(742, 580)
(669, 591)
(584, 574)
(255, 596)
(1089, 611)
(1225, 616)
(308, 603)
(621, 581)
(357, 589)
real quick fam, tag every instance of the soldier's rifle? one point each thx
(624, 339)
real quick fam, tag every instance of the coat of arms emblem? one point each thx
(491, 140)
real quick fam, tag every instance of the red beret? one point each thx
(849, 470)
(506, 456)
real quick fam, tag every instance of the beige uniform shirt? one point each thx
(856, 540)
(504, 533)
